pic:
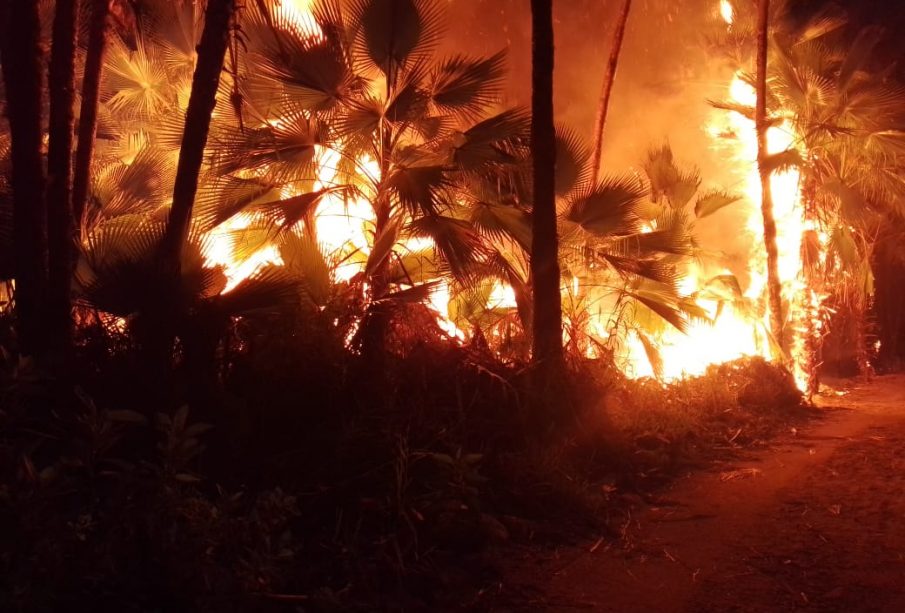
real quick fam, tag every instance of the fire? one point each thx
(732, 326)
(727, 12)
(731, 334)
(222, 251)
(298, 12)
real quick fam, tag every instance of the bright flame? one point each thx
(731, 331)
(731, 326)
(222, 252)
(726, 11)
(298, 12)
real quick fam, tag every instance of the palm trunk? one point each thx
(91, 85)
(205, 82)
(813, 340)
(59, 170)
(862, 349)
(889, 299)
(547, 324)
(377, 326)
(22, 71)
(609, 77)
(774, 287)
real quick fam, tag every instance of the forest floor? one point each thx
(816, 522)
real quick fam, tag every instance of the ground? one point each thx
(814, 523)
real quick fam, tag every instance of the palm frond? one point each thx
(712, 201)
(284, 151)
(735, 107)
(419, 189)
(244, 242)
(221, 198)
(465, 86)
(654, 357)
(268, 291)
(494, 140)
(408, 101)
(357, 125)
(667, 180)
(843, 247)
(573, 157)
(851, 202)
(136, 85)
(382, 247)
(124, 238)
(309, 68)
(415, 267)
(138, 187)
(664, 307)
(417, 294)
(391, 34)
(119, 271)
(608, 208)
(782, 161)
(304, 259)
(174, 28)
(653, 269)
(672, 236)
(819, 26)
(455, 240)
(501, 222)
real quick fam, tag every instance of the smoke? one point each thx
(666, 76)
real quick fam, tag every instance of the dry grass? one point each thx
(658, 430)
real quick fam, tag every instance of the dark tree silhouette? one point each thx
(609, 77)
(547, 339)
(211, 53)
(91, 82)
(59, 175)
(22, 59)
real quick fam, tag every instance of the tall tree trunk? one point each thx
(774, 287)
(22, 74)
(889, 299)
(812, 343)
(547, 337)
(205, 82)
(609, 77)
(91, 85)
(59, 171)
(377, 323)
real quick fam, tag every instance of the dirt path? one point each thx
(815, 523)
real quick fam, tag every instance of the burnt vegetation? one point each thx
(299, 313)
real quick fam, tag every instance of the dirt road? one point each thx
(817, 523)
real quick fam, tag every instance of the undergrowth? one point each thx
(296, 478)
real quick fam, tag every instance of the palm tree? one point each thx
(623, 240)
(849, 128)
(22, 74)
(59, 170)
(408, 133)
(547, 324)
(120, 273)
(762, 124)
(852, 130)
(458, 173)
(609, 77)
(627, 240)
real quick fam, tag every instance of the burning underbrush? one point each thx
(733, 406)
